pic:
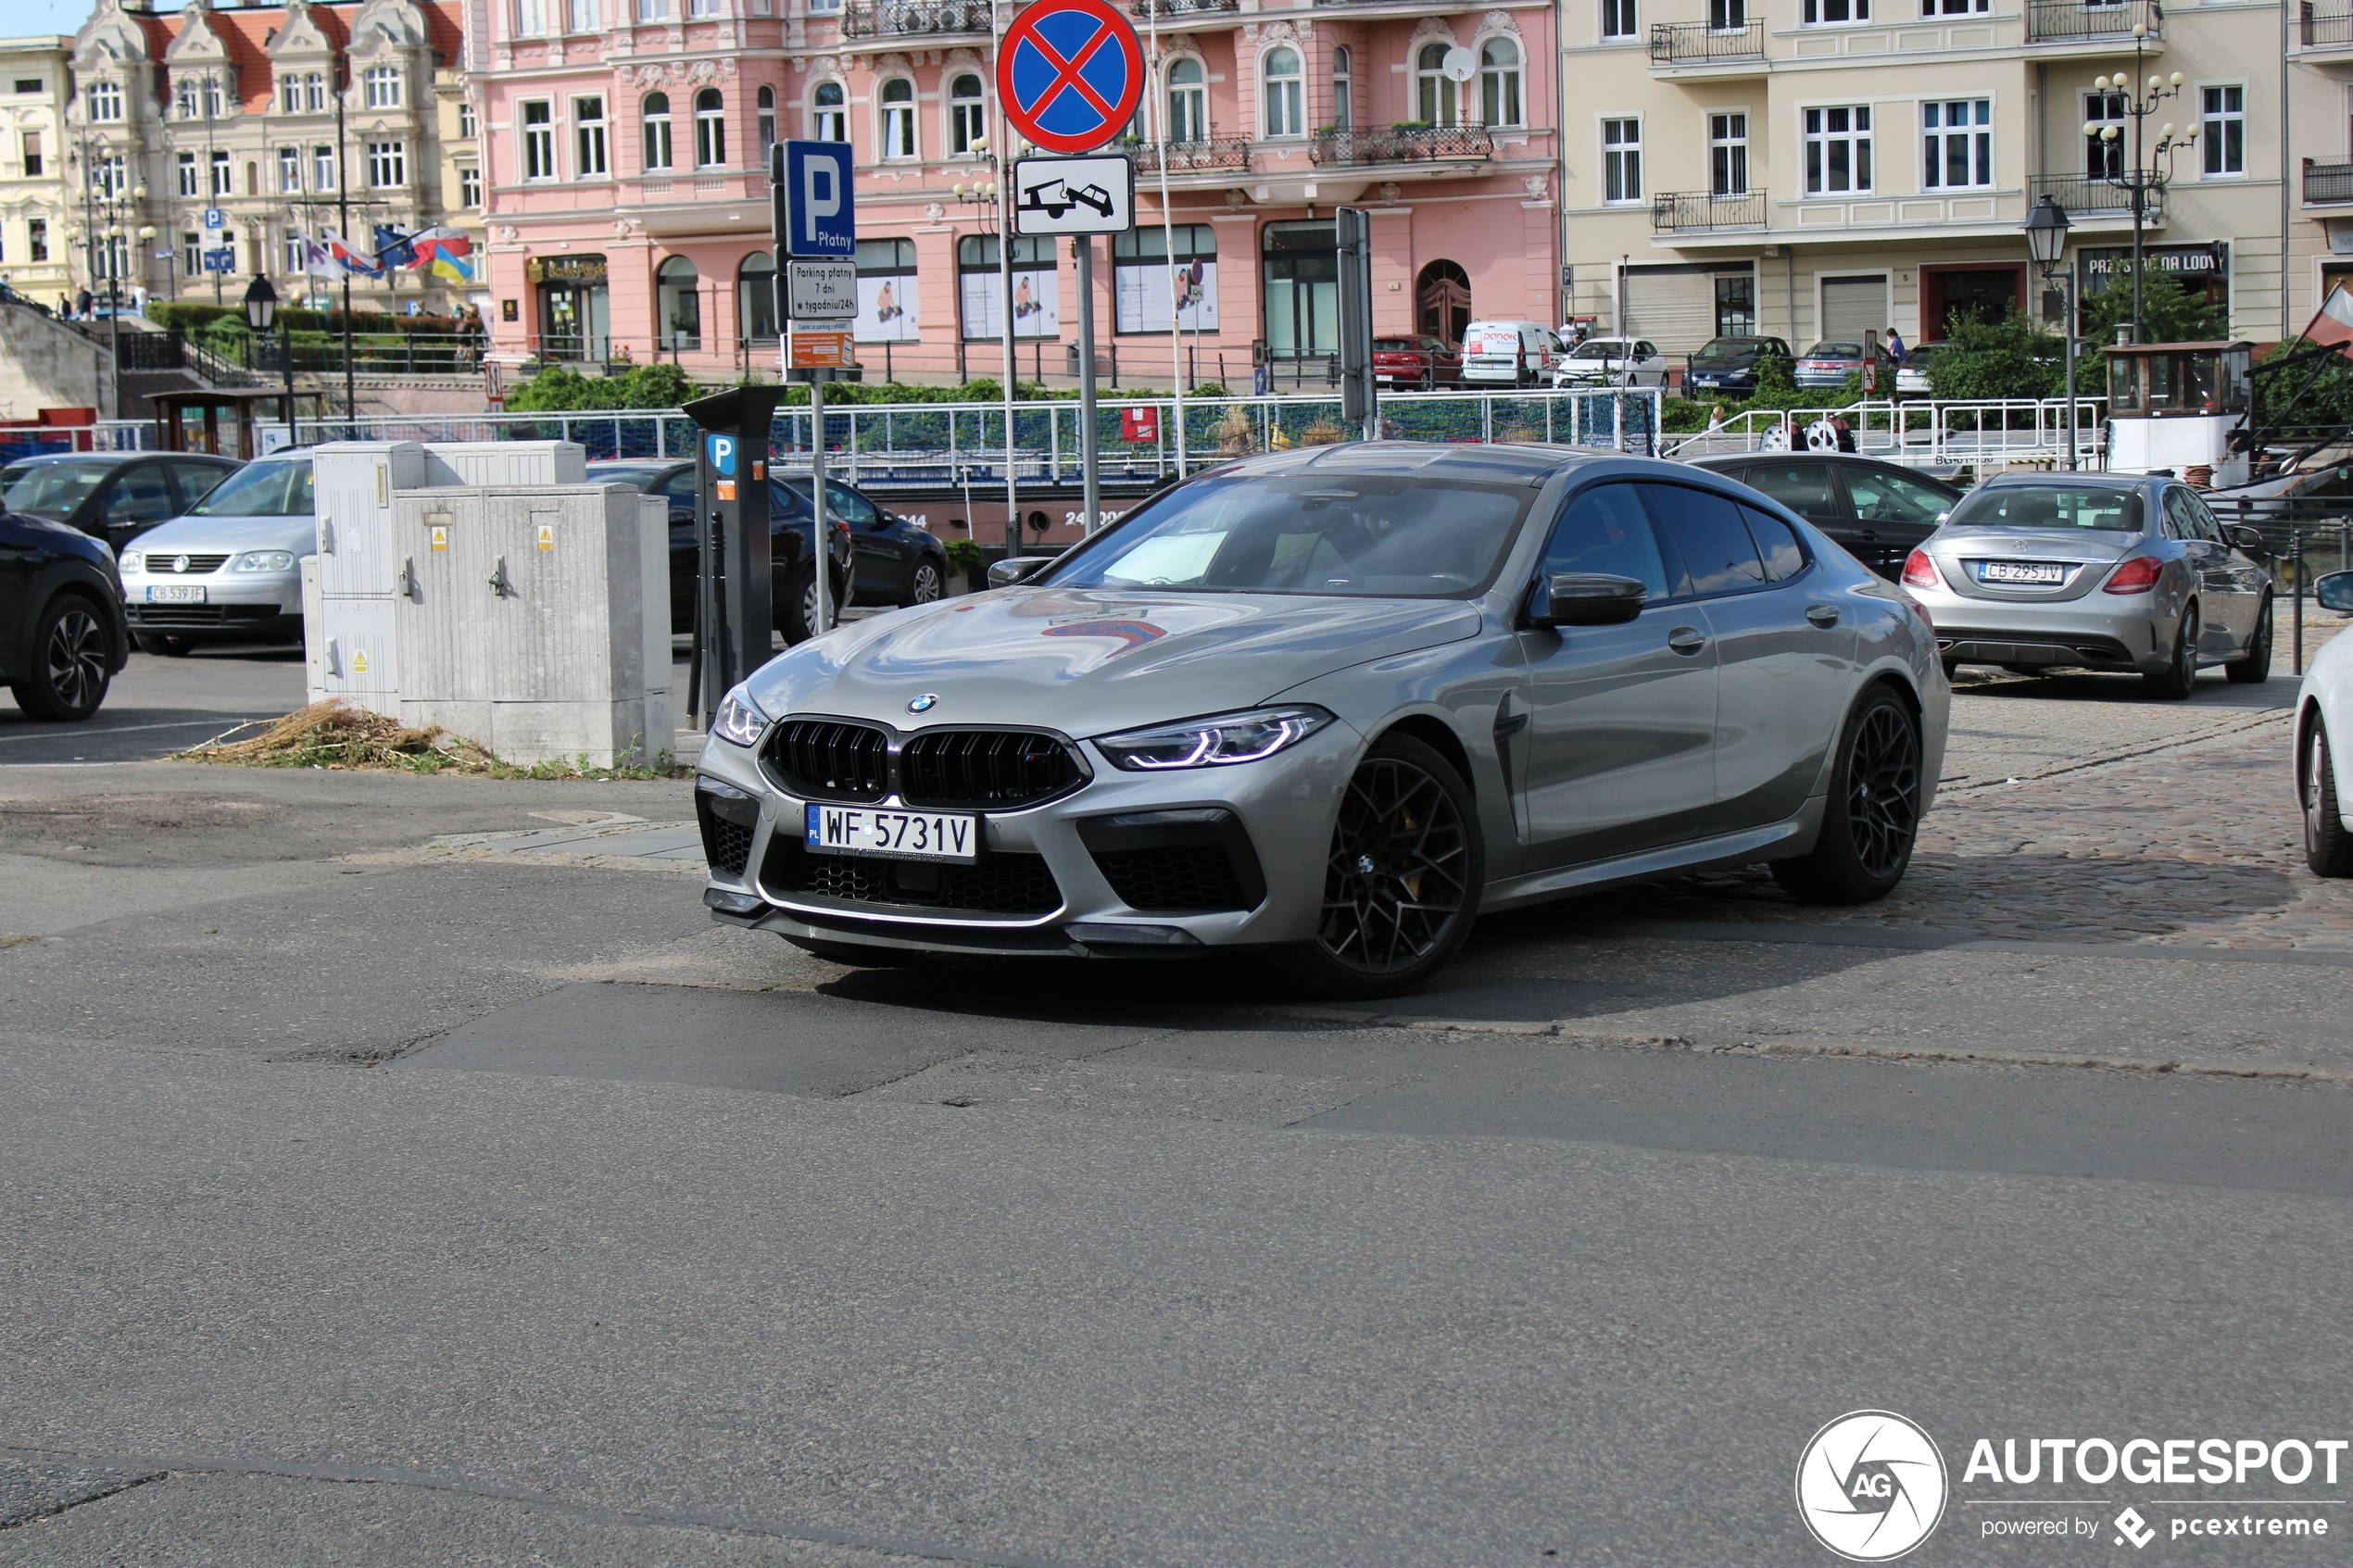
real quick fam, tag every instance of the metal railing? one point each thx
(2323, 26)
(1923, 433)
(1695, 43)
(151, 351)
(2086, 193)
(1226, 153)
(896, 19)
(2050, 22)
(1180, 8)
(1403, 143)
(1678, 211)
(374, 353)
(2327, 181)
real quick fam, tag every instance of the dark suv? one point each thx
(62, 638)
(111, 496)
(1730, 364)
(1877, 512)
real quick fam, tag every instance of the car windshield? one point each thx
(1835, 351)
(1360, 535)
(262, 489)
(1598, 349)
(2035, 505)
(51, 489)
(1733, 347)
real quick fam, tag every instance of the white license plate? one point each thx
(903, 835)
(2028, 573)
(175, 593)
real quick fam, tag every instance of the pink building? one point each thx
(626, 198)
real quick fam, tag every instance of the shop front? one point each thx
(575, 311)
(2202, 271)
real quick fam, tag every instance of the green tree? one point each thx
(2170, 313)
(2011, 357)
(558, 390)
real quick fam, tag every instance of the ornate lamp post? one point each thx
(2046, 243)
(262, 309)
(2143, 179)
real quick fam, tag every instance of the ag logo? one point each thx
(1870, 1485)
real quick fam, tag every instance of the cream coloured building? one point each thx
(35, 84)
(1811, 169)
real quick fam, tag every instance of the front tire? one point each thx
(2178, 678)
(924, 584)
(68, 676)
(1872, 818)
(1402, 878)
(797, 617)
(2255, 667)
(2328, 849)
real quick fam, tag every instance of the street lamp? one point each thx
(262, 309)
(2046, 243)
(2143, 179)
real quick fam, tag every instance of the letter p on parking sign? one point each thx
(815, 208)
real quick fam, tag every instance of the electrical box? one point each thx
(359, 658)
(352, 486)
(505, 463)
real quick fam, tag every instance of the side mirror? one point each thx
(1016, 569)
(2335, 590)
(1585, 599)
(2246, 536)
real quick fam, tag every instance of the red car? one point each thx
(1417, 361)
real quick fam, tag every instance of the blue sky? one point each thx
(28, 19)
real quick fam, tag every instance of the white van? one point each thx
(1510, 353)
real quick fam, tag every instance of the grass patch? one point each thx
(338, 737)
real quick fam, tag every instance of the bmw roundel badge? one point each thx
(925, 703)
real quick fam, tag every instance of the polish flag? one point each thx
(2332, 324)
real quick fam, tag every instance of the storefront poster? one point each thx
(1147, 294)
(1036, 305)
(887, 308)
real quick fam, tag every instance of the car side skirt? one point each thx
(1776, 841)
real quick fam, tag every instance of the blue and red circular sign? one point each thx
(1070, 74)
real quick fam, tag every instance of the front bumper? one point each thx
(1250, 839)
(236, 604)
(2124, 633)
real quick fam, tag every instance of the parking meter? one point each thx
(734, 612)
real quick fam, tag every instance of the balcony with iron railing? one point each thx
(2082, 193)
(2061, 21)
(1179, 9)
(1704, 44)
(1212, 154)
(1676, 212)
(905, 19)
(2326, 184)
(2318, 25)
(1403, 144)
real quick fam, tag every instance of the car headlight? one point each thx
(1217, 742)
(740, 720)
(264, 560)
(134, 561)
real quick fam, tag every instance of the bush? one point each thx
(560, 390)
(2170, 313)
(966, 558)
(2011, 357)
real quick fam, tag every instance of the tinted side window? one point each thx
(140, 496)
(1605, 531)
(848, 505)
(782, 501)
(2181, 519)
(196, 481)
(1718, 554)
(680, 488)
(1777, 543)
(1879, 497)
(1804, 488)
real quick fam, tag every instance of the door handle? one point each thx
(1822, 615)
(1686, 640)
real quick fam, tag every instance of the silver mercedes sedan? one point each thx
(2096, 571)
(1333, 705)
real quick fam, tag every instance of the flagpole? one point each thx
(343, 206)
(1158, 88)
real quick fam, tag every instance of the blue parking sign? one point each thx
(722, 454)
(815, 210)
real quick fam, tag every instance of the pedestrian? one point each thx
(1846, 433)
(138, 299)
(1896, 347)
(83, 304)
(1716, 418)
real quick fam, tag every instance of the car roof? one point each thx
(1487, 463)
(2075, 481)
(48, 458)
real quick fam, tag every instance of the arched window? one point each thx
(1499, 83)
(678, 304)
(1188, 102)
(898, 118)
(1433, 95)
(756, 299)
(1286, 94)
(710, 129)
(767, 105)
(1343, 84)
(829, 116)
(656, 112)
(968, 115)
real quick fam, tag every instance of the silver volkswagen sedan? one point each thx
(2096, 571)
(1335, 704)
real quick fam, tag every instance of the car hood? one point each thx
(1088, 661)
(2035, 543)
(208, 534)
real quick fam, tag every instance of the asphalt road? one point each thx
(390, 1180)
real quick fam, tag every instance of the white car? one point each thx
(2323, 727)
(231, 569)
(1613, 361)
(1510, 354)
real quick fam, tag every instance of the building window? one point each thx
(890, 296)
(192, 253)
(656, 118)
(531, 18)
(539, 141)
(1838, 150)
(1622, 160)
(1727, 155)
(2103, 155)
(314, 93)
(224, 182)
(1499, 83)
(1736, 305)
(2222, 129)
(1433, 95)
(968, 115)
(1343, 108)
(1187, 101)
(32, 154)
(767, 107)
(387, 164)
(105, 100)
(323, 168)
(1618, 20)
(295, 258)
(1727, 15)
(1286, 84)
(36, 239)
(898, 118)
(1957, 145)
(191, 182)
(580, 16)
(212, 103)
(1956, 7)
(183, 98)
(653, 10)
(383, 87)
(290, 95)
(831, 112)
(289, 170)
(588, 137)
(702, 7)
(1150, 292)
(469, 187)
(710, 129)
(678, 303)
(467, 126)
(1832, 13)
(107, 176)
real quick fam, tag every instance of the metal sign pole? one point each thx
(823, 570)
(1089, 459)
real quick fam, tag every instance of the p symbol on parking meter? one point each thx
(815, 205)
(722, 454)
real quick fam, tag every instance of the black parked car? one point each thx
(894, 561)
(1729, 364)
(62, 638)
(111, 496)
(1877, 511)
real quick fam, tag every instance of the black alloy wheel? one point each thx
(2328, 847)
(2178, 678)
(2255, 667)
(1872, 818)
(68, 677)
(1402, 878)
